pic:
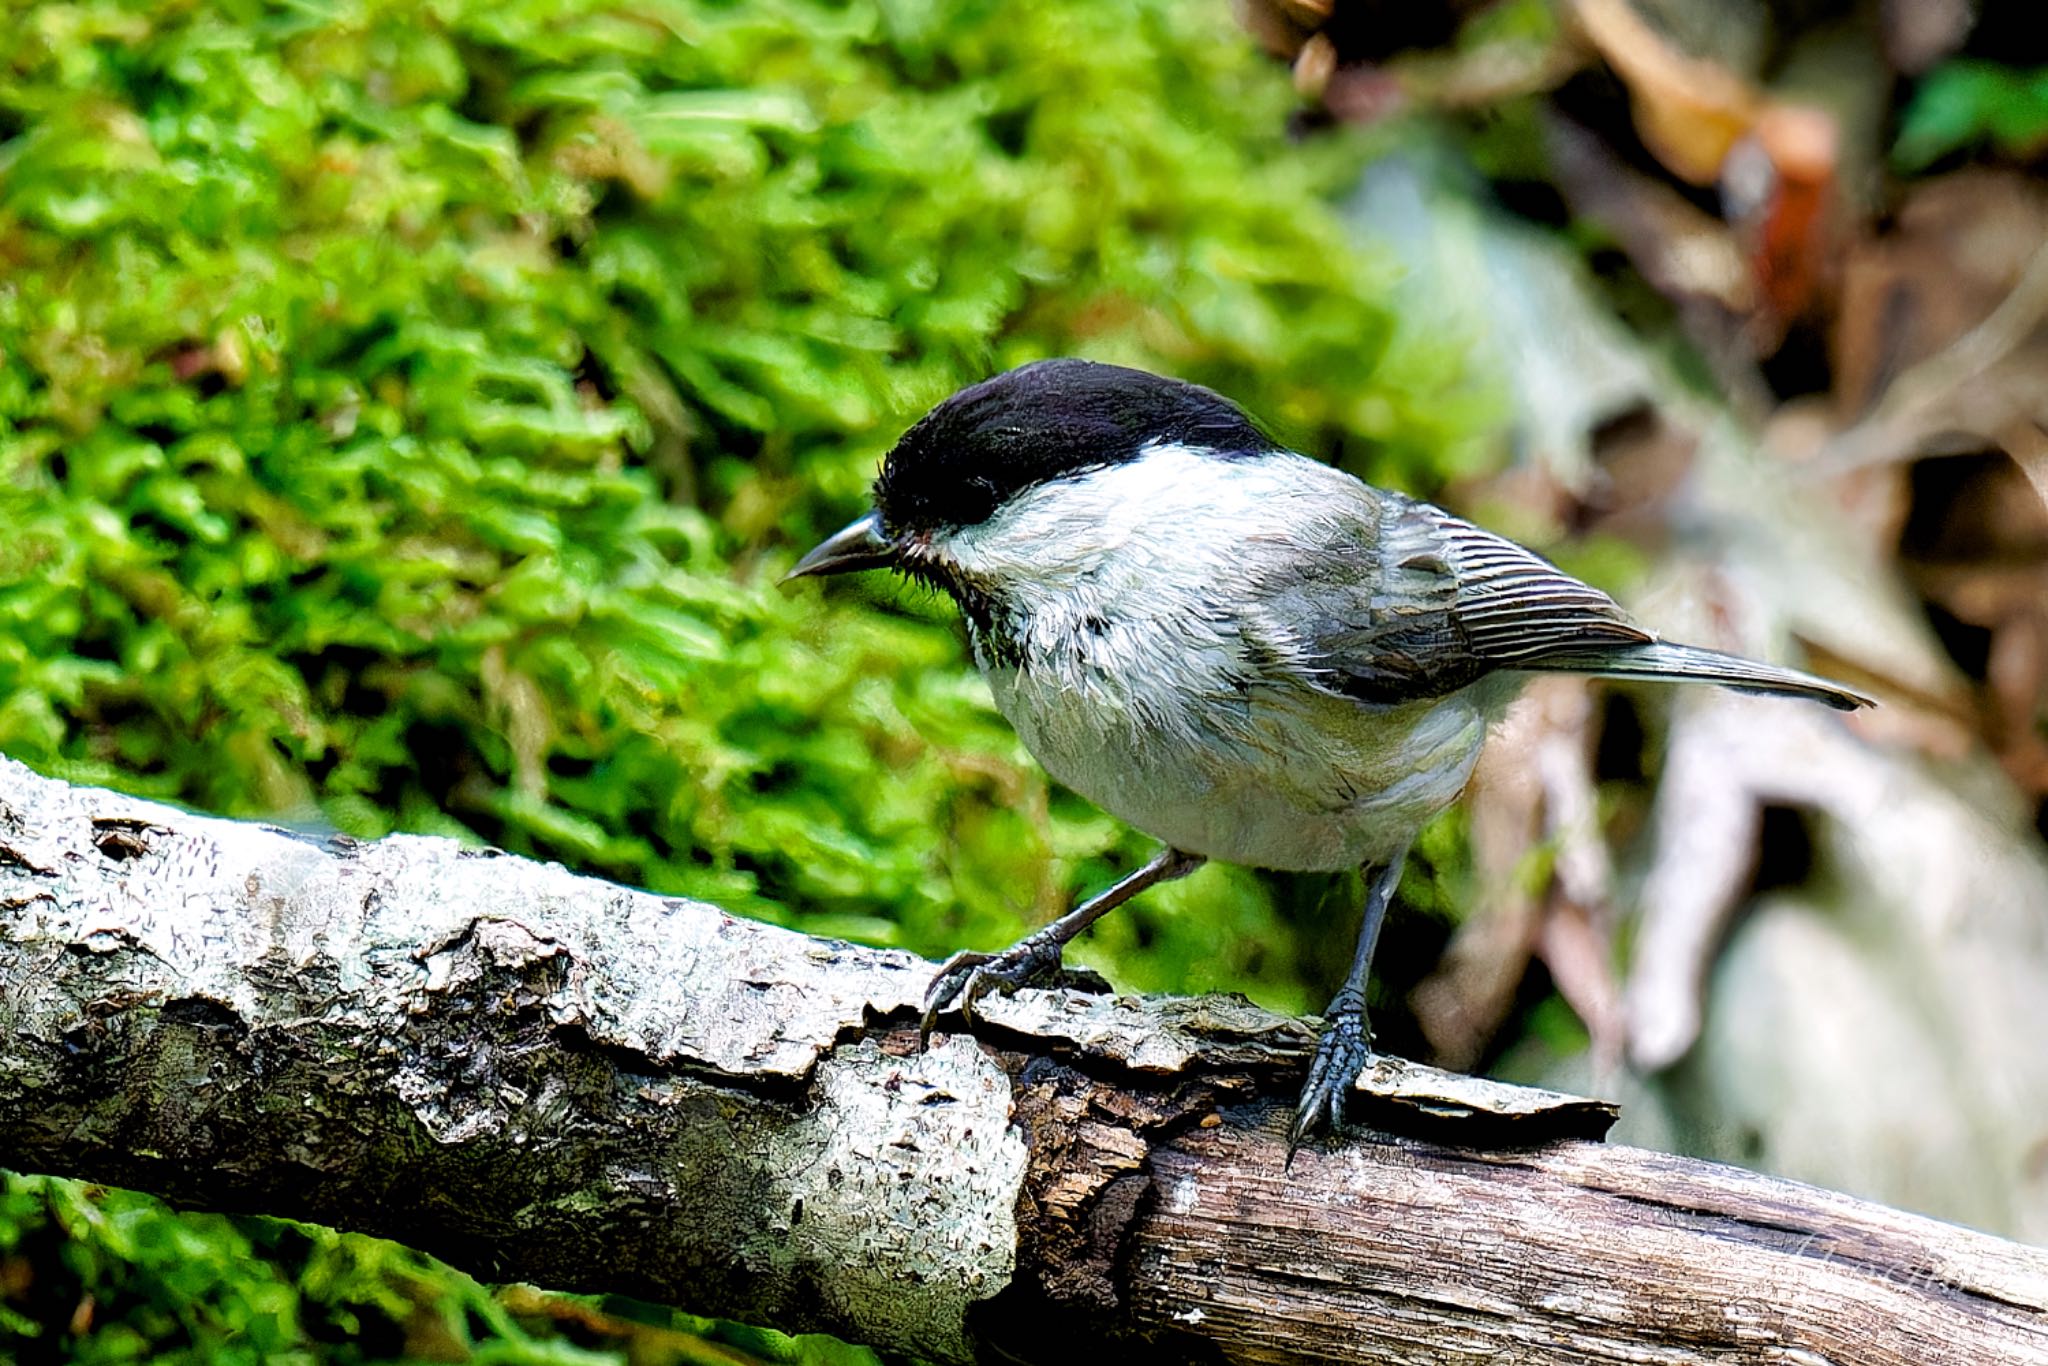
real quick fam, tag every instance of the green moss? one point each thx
(107, 1276)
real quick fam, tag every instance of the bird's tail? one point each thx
(1690, 664)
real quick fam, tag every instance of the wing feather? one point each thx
(1424, 603)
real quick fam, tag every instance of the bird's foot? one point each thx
(966, 977)
(1341, 1054)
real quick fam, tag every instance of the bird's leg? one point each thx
(1346, 1045)
(967, 977)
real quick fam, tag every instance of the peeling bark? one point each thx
(547, 1078)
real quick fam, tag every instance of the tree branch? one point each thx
(547, 1078)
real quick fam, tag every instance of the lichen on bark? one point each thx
(539, 1061)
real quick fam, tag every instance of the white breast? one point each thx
(1144, 677)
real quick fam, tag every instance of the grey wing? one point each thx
(1421, 603)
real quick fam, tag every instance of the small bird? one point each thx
(1238, 650)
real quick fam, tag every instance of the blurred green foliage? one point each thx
(1968, 104)
(95, 1276)
(134, 1282)
(405, 410)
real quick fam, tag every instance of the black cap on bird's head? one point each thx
(1040, 422)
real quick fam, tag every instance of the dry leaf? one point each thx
(1314, 65)
(1780, 184)
(1463, 1003)
(1688, 110)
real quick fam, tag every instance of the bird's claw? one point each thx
(968, 976)
(1341, 1055)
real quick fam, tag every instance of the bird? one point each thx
(1238, 650)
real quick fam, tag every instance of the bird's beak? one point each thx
(860, 546)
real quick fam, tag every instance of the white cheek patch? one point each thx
(1125, 585)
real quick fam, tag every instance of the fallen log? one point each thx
(547, 1078)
